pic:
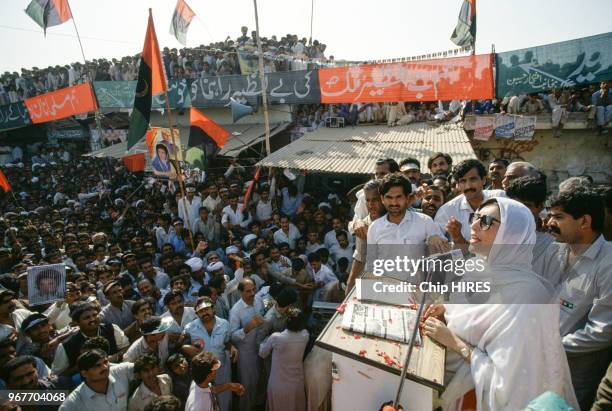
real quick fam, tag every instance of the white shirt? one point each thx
(330, 239)
(200, 399)
(211, 203)
(361, 210)
(264, 210)
(459, 208)
(325, 275)
(189, 315)
(280, 236)
(140, 347)
(235, 217)
(143, 396)
(84, 398)
(193, 208)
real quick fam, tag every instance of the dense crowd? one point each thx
(595, 101)
(219, 58)
(196, 302)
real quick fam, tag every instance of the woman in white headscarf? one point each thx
(507, 348)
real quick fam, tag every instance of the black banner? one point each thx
(14, 115)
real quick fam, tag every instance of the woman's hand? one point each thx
(434, 310)
(437, 330)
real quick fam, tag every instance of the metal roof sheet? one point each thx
(354, 150)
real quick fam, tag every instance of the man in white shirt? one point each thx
(233, 217)
(189, 207)
(202, 394)
(337, 227)
(288, 233)
(456, 216)
(325, 279)
(264, 206)
(343, 249)
(212, 201)
(105, 386)
(401, 231)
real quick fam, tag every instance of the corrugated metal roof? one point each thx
(246, 135)
(354, 150)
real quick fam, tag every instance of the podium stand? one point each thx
(366, 369)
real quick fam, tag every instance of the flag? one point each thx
(247, 196)
(465, 32)
(203, 129)
(180, 21)
(151, 81)
(49, 13)
(4, 184)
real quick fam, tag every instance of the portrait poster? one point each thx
(163, 151)
(46, 284)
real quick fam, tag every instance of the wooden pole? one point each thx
(178, 169)
(262, 80)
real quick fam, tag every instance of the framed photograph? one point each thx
(46, 284)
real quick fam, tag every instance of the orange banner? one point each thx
(456, 78)
(62, 103)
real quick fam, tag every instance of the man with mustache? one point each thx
(433, 199)
(104, 386)
(11, 316)
(497, 169)
(440, 163)
(455, 216)
(87, 317)
(579, 266)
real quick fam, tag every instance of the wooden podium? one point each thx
(366, 369)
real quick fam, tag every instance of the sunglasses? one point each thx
(485, 221)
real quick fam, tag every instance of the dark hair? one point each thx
(138, 305)
(410, 160)
(145, 362)
(395, 180)
(606, 196)
(393, 166)
(580, 202)
(216, 282)
(176, 278)
(14, 363)
(500, 160)
(296, 321)
(435, 156)
(162, 146)
(465, 166)
(314, 257)
(79, 309)
(90, 358)
(173, 359)
(171, 295)
(93, 343)
(205, 291)
(164, 403)
(255, 254)
(202, 365)
(297, 263)
(527, 189)
(48, 273)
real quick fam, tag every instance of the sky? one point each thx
(352, 29)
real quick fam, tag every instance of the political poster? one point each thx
(46, 284)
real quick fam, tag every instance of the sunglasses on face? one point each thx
(485, 221)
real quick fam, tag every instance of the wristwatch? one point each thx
(466, 352)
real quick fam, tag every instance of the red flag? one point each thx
(152, 57)
(4, 184)
(247, 196)
(213, 131)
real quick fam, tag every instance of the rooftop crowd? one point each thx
(195, 302)
(219, 58)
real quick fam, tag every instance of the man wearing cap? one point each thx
(212, 334)
(245, 317)
(117, 311)
(154, 341)
(189, 206)
(104, 387)
(202, 394)
(198, 278)
(86, 316)
(43, 341)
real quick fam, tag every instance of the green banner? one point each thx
(558, 65)
(120, 94)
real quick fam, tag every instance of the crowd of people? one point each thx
(204, 302)
(219, 58)
(595, 101)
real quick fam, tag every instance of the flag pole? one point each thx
(262, 80)
(178, 166)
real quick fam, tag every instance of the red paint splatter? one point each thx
(357, 337)
(362, 353)
(388, 360)
(341, 308)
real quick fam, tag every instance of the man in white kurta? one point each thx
(245, 317)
